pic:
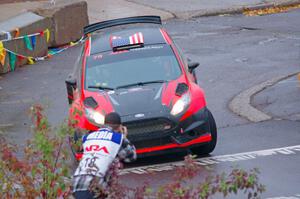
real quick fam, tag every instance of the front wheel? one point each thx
(209, 147)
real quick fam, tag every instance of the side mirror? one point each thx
(71, 86)
(192, 66)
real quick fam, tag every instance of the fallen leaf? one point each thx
(270, 10)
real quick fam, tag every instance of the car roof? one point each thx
(100, 40)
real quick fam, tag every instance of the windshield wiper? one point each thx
(101, 87)
(141, 83)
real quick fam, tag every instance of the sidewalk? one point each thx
(196, 8)
(100, 10)
(13, 9)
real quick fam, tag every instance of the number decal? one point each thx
(88, 166)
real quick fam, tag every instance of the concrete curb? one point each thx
(232, 11)
(241, 104)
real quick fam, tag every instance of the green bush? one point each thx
(44, 171)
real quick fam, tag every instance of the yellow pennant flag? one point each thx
(30, 60)
(72, 43)
(2, 57)
(1, 47)
(2, 53)
(47, 32)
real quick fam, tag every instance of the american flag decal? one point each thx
(136, 38)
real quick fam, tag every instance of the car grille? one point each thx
(148, 126)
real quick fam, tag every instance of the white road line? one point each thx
(290, 150)
(296, 196)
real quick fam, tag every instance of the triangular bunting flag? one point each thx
(8, 35)
(33, 41)
(47, 32)
(30, 60)
(2, 53)
(1, 47)
(2, 57)
(27, 43)
(19, 59)
(12, 60)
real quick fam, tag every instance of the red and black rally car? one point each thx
(133, 67)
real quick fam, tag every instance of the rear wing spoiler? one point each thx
(122, 21)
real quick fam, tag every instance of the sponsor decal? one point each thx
(146, 48)
(95, 57)
(103, 134)
(96, 148)
(135, 89)
(139, 115)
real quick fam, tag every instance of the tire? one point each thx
(209, 147)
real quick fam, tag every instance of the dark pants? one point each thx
(83, 195)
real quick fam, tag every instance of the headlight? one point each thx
(94, 116)
(181, 104)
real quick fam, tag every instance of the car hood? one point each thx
(149, 99)
(137, 100)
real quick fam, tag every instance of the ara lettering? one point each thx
(96, 148)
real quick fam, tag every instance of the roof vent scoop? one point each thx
(90, 102)
(181, 89)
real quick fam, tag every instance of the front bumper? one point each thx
(181, 135)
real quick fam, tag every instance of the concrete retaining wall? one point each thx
(65, 21)
(28, 23)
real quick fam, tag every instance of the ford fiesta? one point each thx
(133, 67)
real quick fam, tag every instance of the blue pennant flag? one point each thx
(33, 41)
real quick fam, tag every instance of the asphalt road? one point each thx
(235, 53)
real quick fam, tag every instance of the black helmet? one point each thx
(112, 118)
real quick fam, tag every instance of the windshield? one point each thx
(139, 65)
